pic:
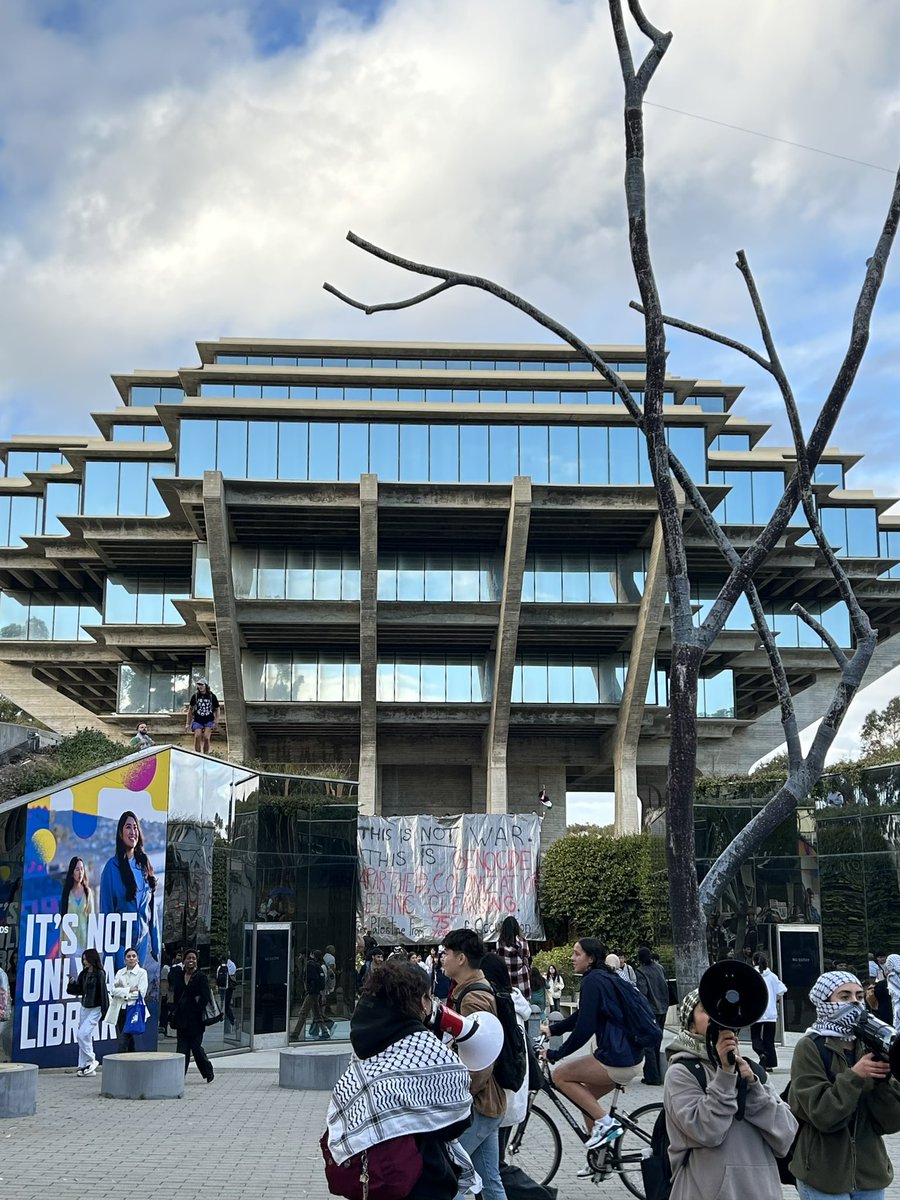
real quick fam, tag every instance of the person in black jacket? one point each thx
(652, 983)
(403, 1082)
(91, 987)
(190, 996)
(315, 978)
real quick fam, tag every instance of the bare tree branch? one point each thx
(710, 335)
(839, 656)
(369, 309)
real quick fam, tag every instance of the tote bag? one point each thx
(135, 1018)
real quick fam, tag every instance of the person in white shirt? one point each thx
(129, 986)
(762, 1034)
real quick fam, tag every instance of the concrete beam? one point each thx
(218, 530)
(517, 525)
(368, 797)
(46, 704)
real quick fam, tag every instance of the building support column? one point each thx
(507, 638)
(368, 796)
(634, 697)
(228, 634)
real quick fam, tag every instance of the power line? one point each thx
(771, 137)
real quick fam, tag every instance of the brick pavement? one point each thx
(241, 1138)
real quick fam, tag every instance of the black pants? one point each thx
(652, 1070)
(124, 1041)
(192, 1043)
(762, 1039)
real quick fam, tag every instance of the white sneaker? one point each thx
(91, 1070)
(586, 1172)
(602, 1134)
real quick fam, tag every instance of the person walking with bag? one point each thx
(191, 995)
(90, 985)
(128, 1008)
(652, 984)
(844, 1098)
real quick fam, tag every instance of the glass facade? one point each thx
(60, 500)
(852, 531)
(731, 441)
(124, 488)
(149, 689)
(753, 497)
(143, 599)
(139, 433)
(247, 855)
(301, 677)
(569, 678)
(790, 630)
(286, 573)
(433, 679)
(411, 395)
(453, 575)
(584, 578)
(413, 452)
(28, 620)
(20, 517)
(889, 547)
(145, 395)
(417, 364)
(20, 461)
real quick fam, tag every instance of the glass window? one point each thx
(387, 577)
(862, 532)
(433, 681)
(133, 689)
(304, 678)
(354, 450)
(300, 567)
(270, 579)
(459, 681)
(219, 391)
(244, 571)
(504, 453)
(585, 689)
(384, 452)
(275, 391)
(717, 695)
(304, 391)
(327, 584)
(768, 488)
(575, 579)
(465, 396)
(443, 457)
(414, 453)
(66, 622)
(593, 454)
(170, 395)
(155, 505)
(151, 592)
(729, 441)
(560, 679)
(563, 454)
(357, 393)
(132, 488)
(253, 674)
(406, 681)
(534, 681)
(262, 450)
(623, 454)
(689, 444)
(385, 395)
(349, 575)
(120, 606)
(60, 500)
(292, 449)
(829, 473)
(248, 391)
(323, 450)
(384, 682)
(202, 585)
(20, 461)
(473, 454)
(547, 578)
(278, 677)
(196, 448)
(466, 577)
(101, 488)
(331, 677)
(438, 577)
(231, 449)
(534, 452)
(410, 576)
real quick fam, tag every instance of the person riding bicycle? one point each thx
(617, 1059)
(713, 1150)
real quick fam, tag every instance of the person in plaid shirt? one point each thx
(513, 949)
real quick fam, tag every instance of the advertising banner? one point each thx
(423, 876)
(94, 863)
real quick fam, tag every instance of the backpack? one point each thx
(222, 976)
(393, 1168)
(784, 1164)
(656, 1168)
(510, 1067)
(640, 1020)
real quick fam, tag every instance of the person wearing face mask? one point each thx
(726, 1123)
(844, 1098)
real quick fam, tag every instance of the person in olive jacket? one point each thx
(845, 1101)
(191, 994)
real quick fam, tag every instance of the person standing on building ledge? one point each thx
(202, 715)
(142, 738)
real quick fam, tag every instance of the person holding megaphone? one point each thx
(844, 1096)
(726, 1122)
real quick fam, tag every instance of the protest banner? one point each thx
(422, 876)
(94, 863)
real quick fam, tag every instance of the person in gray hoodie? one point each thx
(715, 1151)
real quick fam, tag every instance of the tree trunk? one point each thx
(688, 928)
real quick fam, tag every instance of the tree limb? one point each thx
(839, 656)
(369, 309)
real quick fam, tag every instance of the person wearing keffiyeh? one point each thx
(844, 1099)
(403, 1080)
(892, 975)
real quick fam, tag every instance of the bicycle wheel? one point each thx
(634, 1145)
(536, 1146)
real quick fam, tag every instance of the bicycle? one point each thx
(536, 1144)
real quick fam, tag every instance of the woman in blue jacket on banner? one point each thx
(128, 885)
(617, 1059)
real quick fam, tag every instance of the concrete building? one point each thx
(436, 565)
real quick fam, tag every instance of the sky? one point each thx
(189, 169)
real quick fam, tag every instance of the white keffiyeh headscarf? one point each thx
(892, 975)
(416, 1085)
(833, 1019)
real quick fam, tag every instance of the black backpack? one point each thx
(656, 1168)
(511, 1064)
(222, 976)
(640, 1020)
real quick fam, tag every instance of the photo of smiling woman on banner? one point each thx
(128, 885)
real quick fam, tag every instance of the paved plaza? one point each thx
(240, 1137)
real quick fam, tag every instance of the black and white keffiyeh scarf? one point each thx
(416, 1085)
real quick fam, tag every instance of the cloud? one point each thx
(189, 169)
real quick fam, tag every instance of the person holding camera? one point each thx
(845, 1099)
(726, 1122)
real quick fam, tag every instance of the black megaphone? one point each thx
(734, 994)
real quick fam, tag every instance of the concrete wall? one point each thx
(433, 789)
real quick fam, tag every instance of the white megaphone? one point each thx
(477, 1039)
